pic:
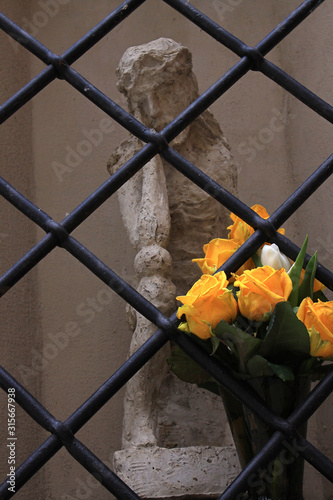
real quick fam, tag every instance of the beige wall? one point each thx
(19, 310)
(61, 304)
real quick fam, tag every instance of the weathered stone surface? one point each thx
(189, 416)
(180, 473)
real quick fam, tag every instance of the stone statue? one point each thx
(168, 219)
(158, 82)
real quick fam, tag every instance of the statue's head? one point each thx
(157, 80)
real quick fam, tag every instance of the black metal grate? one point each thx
(59, 234)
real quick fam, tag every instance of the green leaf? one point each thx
(295, 274)
(256, 259)
(306, 287)
(319, 295)
(242, 344)
(215, 344)
(285, 334)
(261, 367)
(188, 370)
(310, 365)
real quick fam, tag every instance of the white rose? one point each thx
(271, 256)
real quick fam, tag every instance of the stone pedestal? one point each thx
(189, 473)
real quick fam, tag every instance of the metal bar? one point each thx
(106, 104)
(254, 55)
(298, 90)
(303, 192)
(233, 43)
(83, 414)
(58, 234)
(71, 55)
(289, 248)
(24, 95)
(82, 212)
(277, 219)
(101, 472)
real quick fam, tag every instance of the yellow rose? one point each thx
(318, 319)
(260, 290)
(217, 252)
(206, 304)
(240, 231)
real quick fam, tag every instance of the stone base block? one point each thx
(178, 473)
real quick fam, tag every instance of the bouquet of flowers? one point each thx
(270, 318)
(270, 324)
